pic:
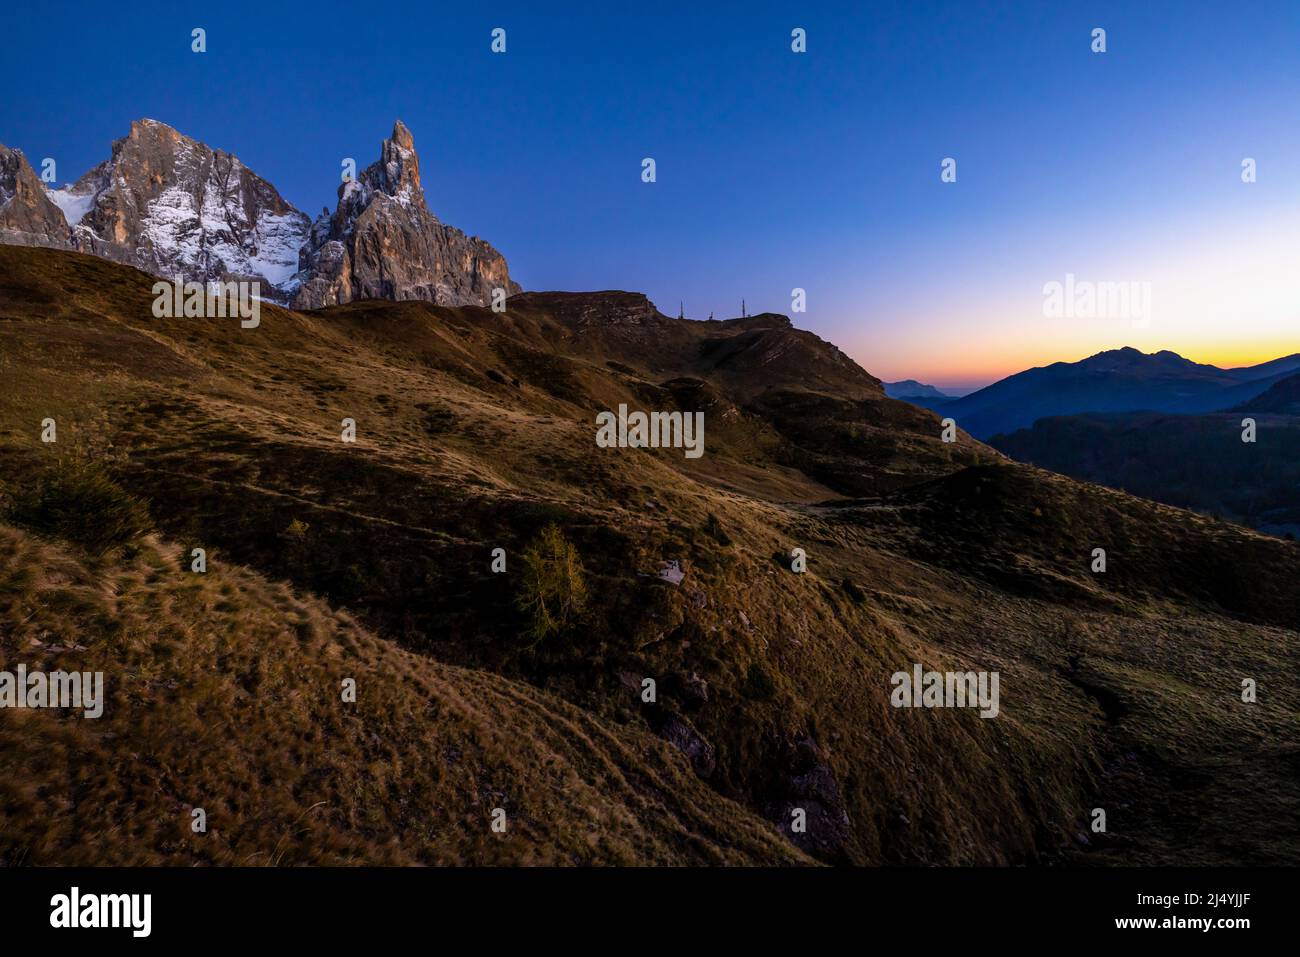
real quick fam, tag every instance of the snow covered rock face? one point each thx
(27, 216)
(382, 242)
(171, 206)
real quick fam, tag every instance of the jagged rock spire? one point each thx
(383, 242)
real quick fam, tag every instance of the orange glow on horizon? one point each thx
(966, 369)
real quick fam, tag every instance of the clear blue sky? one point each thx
(775, 170)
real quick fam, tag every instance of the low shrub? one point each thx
(79, 501)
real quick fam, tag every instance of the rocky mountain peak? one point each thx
(402, 136)
(171, 205)
(401, 165)
(397, 173)
(27, 216)
(383, 242)
(146, 129)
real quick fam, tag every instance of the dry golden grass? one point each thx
(475, 431)
(224, 692)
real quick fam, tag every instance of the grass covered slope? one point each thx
(224, 693)
(475, 432)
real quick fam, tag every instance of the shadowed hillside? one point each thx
(1192, 461)
(233, 705)
(475, 431)
(1281, 398)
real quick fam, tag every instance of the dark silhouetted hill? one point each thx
(1120, 380)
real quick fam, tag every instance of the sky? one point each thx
(775, 170)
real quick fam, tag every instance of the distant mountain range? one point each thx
(1119, 380)
(1156, 425)
(170, 205)
(911, 389)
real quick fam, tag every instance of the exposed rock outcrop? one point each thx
(27, 216)
(170, 205)
(382, 242)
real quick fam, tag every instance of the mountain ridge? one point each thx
(910, 388)
(1281, 398)
(1115, 380)
(171, 205)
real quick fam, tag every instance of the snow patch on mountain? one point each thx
(74, 206)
